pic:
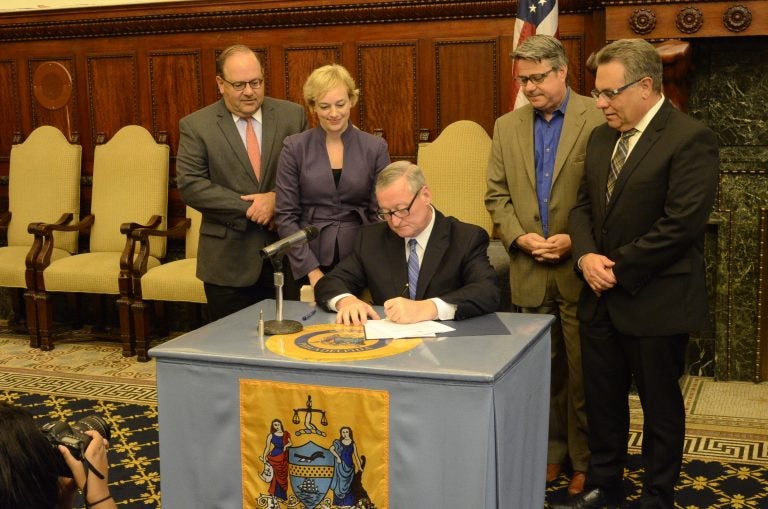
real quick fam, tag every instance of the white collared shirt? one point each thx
(445, 311)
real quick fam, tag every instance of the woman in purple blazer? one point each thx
(326, 175)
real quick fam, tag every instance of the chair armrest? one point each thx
(125, 281)
(127, 229)
(143, 235)
(39, 255)
(177, 230)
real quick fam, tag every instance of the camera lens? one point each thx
(96, 423)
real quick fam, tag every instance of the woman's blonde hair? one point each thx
(324, 79)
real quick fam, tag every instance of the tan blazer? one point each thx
(511, 195)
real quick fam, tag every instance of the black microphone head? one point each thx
(311, 232)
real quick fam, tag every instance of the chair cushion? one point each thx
(87, 273)
(173, 281)
(13, 266)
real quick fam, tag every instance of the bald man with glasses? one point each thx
(417, 263)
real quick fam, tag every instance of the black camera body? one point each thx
(73, 437)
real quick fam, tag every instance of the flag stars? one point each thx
(533, 7)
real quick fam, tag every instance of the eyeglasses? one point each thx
(404, 212)
(610, 93)
(239, 86)
(536, 79)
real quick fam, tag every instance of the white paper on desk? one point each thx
(384, 329)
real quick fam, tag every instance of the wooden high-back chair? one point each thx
(44, 186)
(455, 166)
(174, 281)
(130, 190)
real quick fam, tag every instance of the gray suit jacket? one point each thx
(511, 195)
(213, 171)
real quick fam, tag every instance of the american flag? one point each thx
(533, 17)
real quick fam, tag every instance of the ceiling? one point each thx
(37, 5)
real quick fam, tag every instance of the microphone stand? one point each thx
(280, 326)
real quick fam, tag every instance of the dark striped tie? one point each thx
(617, 162)
(413, 269)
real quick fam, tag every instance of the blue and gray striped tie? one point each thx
(413, 269)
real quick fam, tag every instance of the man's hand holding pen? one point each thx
(353, 311)
(402, 310)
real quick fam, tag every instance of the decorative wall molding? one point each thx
(668, 20)
(220, 19)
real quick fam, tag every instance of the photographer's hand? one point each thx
(67, 490)
(97, 491)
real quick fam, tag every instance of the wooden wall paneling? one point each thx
(389, 94)
(66, 118)
(176, 83)
(467, 89)
(10, 109)
(113, 93)
(574, 48)
(298, 64)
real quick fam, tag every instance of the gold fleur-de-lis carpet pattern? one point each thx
(726, 450)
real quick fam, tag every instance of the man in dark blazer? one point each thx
(638, 241)
(216, 175)
(455, 277)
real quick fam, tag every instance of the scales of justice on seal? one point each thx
(276, 253)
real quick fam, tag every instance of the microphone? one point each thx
(294, 239)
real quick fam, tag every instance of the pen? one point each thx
(308, 315)
(404, 293)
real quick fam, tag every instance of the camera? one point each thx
(73, 437)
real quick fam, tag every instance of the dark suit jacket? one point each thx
(653, 227)
(455, 268)
(213, 171)
(307, 193)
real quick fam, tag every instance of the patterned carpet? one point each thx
(81, 377)
(726, 458)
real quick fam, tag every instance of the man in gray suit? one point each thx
(534, 171)
(226, 166)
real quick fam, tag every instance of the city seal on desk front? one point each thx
(335, 342)
(313, 447)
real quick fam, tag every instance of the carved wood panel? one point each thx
(467, 83)
(113, 93)
(176, 90)
(298, 64)
(574, 48)
(388, 81)
(64, 118)
(9, 106)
